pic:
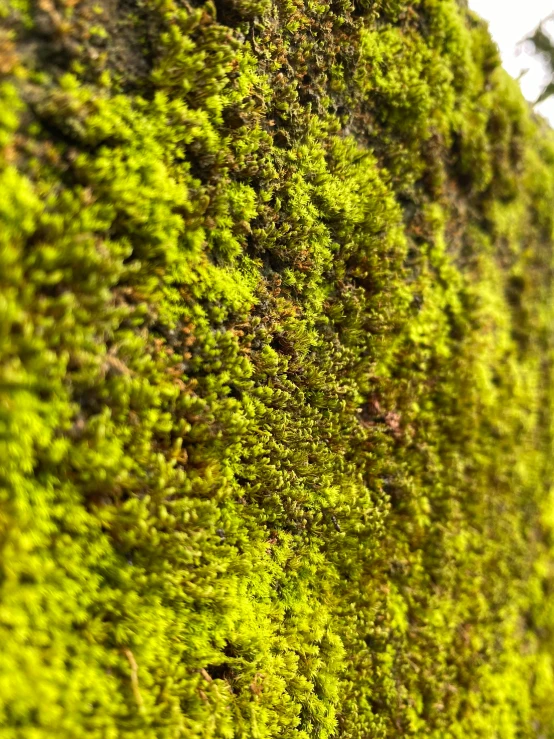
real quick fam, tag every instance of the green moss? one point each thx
(275, 375)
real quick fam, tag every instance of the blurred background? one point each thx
(510, 24)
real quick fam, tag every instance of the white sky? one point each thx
(510, 21)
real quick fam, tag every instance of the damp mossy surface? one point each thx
(276, 374)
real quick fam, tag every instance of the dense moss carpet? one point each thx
(276, 374)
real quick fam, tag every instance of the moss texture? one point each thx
(276, 374)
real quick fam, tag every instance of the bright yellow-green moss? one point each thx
(276, 380)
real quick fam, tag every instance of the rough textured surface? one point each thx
(275, 374)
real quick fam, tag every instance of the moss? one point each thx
(275, 374)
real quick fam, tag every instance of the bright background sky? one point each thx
(510, 21)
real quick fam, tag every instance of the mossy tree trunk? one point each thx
(275, 374)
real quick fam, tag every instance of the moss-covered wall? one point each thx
(276, 374)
